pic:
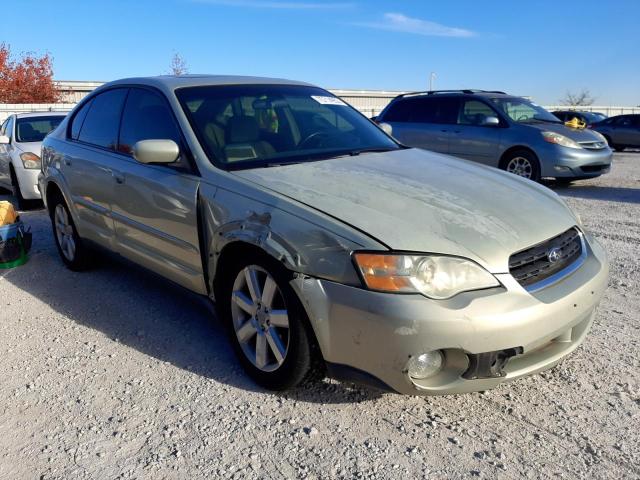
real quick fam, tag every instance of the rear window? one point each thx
(432, 109)
(34, 129)
(101, 125)
(398, 111)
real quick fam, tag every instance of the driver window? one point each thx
(473, 112)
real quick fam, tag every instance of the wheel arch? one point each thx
(505, 155)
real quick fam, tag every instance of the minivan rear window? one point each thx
(432, 109)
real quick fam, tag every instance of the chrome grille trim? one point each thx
(527, 265)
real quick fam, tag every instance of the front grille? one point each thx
(593, 168)
(593, 145)
(539, 262)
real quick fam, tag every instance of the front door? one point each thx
(154, 207)
(471, 138)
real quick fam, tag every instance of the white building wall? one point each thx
(369, 102)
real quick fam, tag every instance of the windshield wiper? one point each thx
(543, 120)
(355, 153)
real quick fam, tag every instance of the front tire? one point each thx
(267, 325)
(523, 163)
(73, 252)
(23, 204)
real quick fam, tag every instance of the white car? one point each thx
(21, 138)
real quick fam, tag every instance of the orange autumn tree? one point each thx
(28, 79)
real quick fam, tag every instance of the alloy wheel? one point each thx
(521, 166)
(64, 233)
(260, 318)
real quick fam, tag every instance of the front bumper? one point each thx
(563, 162)
(28, 181)
(375, 334)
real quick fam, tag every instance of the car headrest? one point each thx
(243, 130)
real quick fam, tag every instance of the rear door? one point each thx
(622, 130)
(89, 161)
(154, 207)
(472, 139)
(634, 137)
(424, 121)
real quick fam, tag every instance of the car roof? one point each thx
(41, 114)
(457, 93)
(172, 82)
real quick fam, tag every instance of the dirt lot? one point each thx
(115, 373)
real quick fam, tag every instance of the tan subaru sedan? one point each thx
(325, 245)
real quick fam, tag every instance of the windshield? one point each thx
(593, 117)
(34, 129)
(523, 111)
(248, 126)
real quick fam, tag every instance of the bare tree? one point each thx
(178, 65)
(582, 98)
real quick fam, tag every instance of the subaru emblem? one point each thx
(554, 254)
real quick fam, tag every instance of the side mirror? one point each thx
(386, 128)
(4, 140)
(156, 151)
(491, 121)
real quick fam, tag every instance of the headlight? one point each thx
(553, 137)
(30, 160)
(434, 276)
(600, 136)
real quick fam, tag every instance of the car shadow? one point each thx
(138, 309)
(596, 192)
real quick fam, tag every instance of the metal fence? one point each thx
(367, 102)
(7, 109)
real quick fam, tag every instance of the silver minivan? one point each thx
(498, 130)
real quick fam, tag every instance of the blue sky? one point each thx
(536, 48)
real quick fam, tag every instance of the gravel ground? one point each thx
(116, 373)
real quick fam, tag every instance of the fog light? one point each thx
(425, 365)
(561, 168)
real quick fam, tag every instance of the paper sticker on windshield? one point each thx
(328, 100)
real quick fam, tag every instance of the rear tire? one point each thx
(267, 325)
(73, 251)
(619, 148)
(523, 163)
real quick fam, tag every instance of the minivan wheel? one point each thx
(72, 250)
(522, 163)
(268, 326)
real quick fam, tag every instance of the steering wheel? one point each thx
(317, 136)
(522, 117)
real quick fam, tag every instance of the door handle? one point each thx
(118, 177)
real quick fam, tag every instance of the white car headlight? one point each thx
(434, 276)
(553, 137)
(30, 160)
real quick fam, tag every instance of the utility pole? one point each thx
(432, 78)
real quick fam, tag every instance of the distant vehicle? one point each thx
(324, 243)
(498, 130)
(589, 118)
(621, 132)
(21, 138)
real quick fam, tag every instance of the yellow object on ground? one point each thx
(575, 123)
(8, 214)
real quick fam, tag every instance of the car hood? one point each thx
(421, 201)
(576, 134)
(33, 147)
